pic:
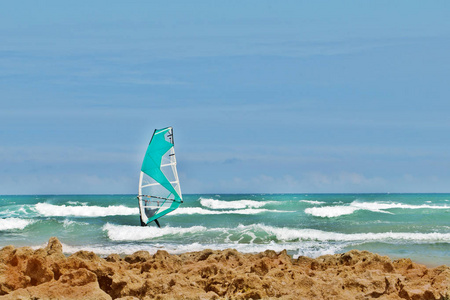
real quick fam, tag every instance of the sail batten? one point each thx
(153, 184)
(159, 186)
(171, 164)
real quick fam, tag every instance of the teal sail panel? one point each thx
(151, 165)
(159, 187)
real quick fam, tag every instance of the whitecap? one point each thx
(380, 207)
(202, 211)
(312, 201)
(319, 235)
(235, 204)
(330, 211)
(48, 210)
(289, 234)
(137, 233)
(76, 203)
(13, 223)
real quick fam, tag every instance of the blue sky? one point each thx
(264, 97)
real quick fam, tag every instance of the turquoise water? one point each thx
(398, 225)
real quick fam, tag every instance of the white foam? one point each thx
(307, 242)
(16, 211)
(236, 204)
(312, 202)
(138, 233)
(124, 249)
(377, 206)
(289, 234)
(306, 248)
(22, 210)
(76, 203)
(314, 249)
(330, 211)
(13, 223)
(264, 232)
(67, 223)
(202, 211)
(381, 207)
(48, 210)
(5, 213)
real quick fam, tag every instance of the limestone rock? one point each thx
(211, 274)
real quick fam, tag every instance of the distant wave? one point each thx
(341, 210)
(202, 211)
(235, 204)
(268, 233)
(13, 223)
(16, 211)
(50, 210)
(76, 203)
(381, 206)
(312, 201)
(330, 211)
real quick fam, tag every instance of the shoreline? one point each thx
(425, 262)
(214, 274)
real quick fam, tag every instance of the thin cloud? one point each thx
(149, 81)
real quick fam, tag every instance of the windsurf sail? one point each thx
(159, 187)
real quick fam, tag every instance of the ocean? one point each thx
(398, 225)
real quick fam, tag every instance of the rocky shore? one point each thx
(47, 273)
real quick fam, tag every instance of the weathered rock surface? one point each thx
(48, 274)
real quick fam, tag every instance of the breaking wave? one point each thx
(289, 234)
(134, 233)
(267, 234)
(341, 210)
(50, 210)
(235, 204)
(312, 201)
(13, 223)
(202, 211)
(330, 211)
(382, 206)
